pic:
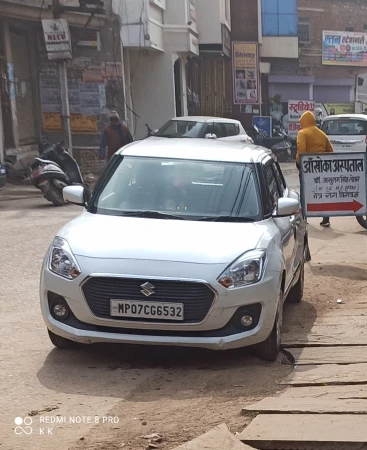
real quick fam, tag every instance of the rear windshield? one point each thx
(345, 127)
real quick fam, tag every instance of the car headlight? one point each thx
(248, 269)
(62, 261)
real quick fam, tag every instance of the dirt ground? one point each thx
(177, 393)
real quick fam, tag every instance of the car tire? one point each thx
(60, 342)
(296, 293)
(269, 349)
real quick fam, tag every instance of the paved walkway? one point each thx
(325, 406)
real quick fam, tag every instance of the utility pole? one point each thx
(65, 108)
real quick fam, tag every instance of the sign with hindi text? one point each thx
(344, 48)
(334, 184)
(295, 110)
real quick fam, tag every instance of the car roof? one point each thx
(205, 119)
(197, 149)
(347, 116)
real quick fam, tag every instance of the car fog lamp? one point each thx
(61, 311)
(247, 320)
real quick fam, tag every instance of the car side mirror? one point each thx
(210, 136)
(77, 195)
(287, 207)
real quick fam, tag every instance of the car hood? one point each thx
(102, 236)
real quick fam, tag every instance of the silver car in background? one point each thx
(194, 244)
(347, 132)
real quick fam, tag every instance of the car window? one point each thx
(218, 129)
(271, 182)
(345, 127)
(279, 178)
(192, 189)
(180, 128)
(232, 129)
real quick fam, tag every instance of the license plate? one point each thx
(147, 310)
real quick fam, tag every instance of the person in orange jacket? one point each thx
(311, 139)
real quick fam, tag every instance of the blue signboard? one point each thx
(263, 123)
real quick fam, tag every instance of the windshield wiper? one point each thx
(151, 215)
(226, 219)
(172, 136)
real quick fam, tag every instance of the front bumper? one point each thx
(214, 332)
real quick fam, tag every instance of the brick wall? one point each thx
(244, 20)
(333, 15)
(89, 161)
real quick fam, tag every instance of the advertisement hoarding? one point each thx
(344, 48)
(245, 73)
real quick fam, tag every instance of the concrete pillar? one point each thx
(10, 74)
(183, 85)
(126, 67)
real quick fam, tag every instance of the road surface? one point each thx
(136, 391)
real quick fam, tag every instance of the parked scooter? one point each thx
(54, 170)
(279, 145)
(279, 130)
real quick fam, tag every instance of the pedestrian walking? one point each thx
(312, 140)
(115, 136)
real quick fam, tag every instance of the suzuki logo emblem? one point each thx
(147, 289)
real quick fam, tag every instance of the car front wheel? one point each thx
(296, 293)
(60, 342)
(269, 349)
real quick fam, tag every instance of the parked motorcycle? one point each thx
(279, 145)
(54, 170)
(279, 130)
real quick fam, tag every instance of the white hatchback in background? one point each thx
(347, 132)
(203, 127)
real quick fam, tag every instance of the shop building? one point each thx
(298, 55)
(209, 74)
(157, 36)
(30, 82)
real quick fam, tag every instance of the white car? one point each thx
(203, 127)
(347, 132)
(193, 244)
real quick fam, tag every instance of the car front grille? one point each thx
(196, 297)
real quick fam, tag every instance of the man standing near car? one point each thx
(312, 140)
(115, 136)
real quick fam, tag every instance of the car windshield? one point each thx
(179, 189)
(180, 128)
(345, 127)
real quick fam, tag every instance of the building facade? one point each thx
(209, 74)
(176, 59)
(30, 84)
(308, 51)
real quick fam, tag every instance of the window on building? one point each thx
(279, 17)
(304, 30)
(349, 29)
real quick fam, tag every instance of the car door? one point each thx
(297, 221)
(285, 225)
